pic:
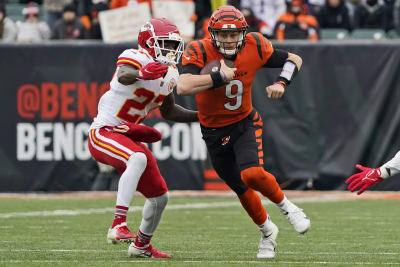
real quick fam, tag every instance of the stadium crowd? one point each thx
(39, 20)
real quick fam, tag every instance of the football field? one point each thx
(200, 231)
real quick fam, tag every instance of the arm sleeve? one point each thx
(190, 68)
(193, 55)
(393, 164)
(261, 47)
(133, 58)
(277, 59)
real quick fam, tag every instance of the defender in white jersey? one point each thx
(369, 176)
(144, 80)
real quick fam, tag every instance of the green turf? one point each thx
(344, 233)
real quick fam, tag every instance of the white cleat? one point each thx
(120, 233)
(146, 252)
(267, 245)
(298, 219)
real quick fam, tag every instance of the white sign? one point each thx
(179, 12)
(123, 24)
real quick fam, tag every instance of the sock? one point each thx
(142, 240)
(265, 228)
(120, 215)
(264, 182)
(286, 205)
(130, 178)
(251, 202)
(152, 212)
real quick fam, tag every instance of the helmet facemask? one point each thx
(220, 44)
(227, 19)
(163, 54)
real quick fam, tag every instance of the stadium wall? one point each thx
(342, 109)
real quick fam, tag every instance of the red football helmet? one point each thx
(227, 18)
(153, 37)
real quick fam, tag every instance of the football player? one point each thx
(231, 127)
(369, 176)
(144, 80)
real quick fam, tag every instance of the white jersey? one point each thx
(393, 164)
(131, 103)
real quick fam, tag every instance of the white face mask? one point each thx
(171, 56)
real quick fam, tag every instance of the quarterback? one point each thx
(231, 127)
(144, 80)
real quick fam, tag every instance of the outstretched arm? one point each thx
(393, 165)
(370, 176)
(173, 112)
(128, 75)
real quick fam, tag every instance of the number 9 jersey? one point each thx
(231, 103)
(131, 103)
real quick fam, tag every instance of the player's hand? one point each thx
(364, 179)
(137, 132)
(227, 73)
(275, 91)
(152, 71)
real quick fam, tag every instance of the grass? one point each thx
(344, 233)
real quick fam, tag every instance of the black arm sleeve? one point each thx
(277, 59)
(190, 68)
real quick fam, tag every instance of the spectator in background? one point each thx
(296, 23)
(267, 11)
(95, 30)
(254, 23)
(8, 31)
(335, 14)
(314, 6)
(202, 10)
(371, 14)
(390, 13)
(39, 2)
(32, 29)
(53, 10)
(69, 27)
(122, 3)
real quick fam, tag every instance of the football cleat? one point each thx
(298, 219)
(120, 233)
(146, 252)
(267, 245)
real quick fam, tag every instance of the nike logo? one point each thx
(187, 58)
(266, 236)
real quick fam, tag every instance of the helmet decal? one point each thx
(157, 36)
(227, 19)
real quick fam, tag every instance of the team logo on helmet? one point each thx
(227, 18)
(155, 36)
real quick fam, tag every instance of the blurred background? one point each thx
(58, 56)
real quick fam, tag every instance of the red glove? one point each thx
(139, 132)
(152, 71)
(364, 179)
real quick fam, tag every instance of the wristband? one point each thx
(217, 80)
(281, 83)
(224, 78)
(288, 72)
